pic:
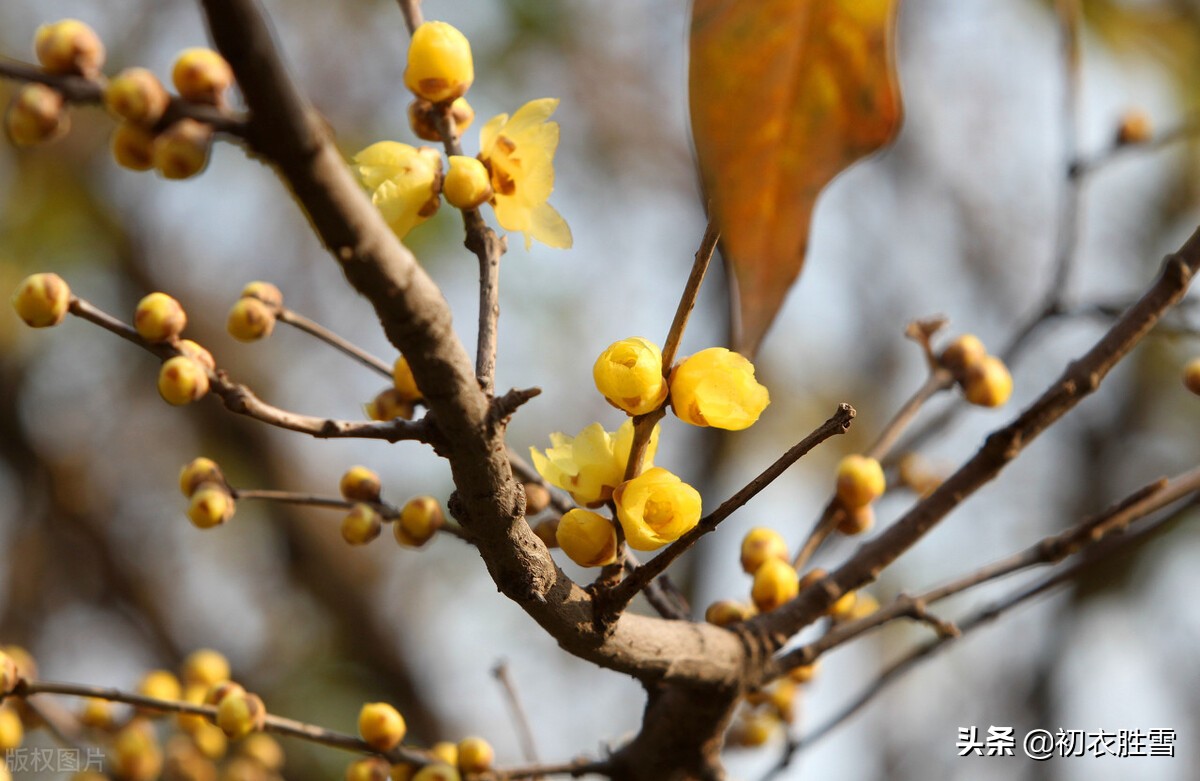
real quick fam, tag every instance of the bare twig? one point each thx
(938, 380)
(520, 717)
(297, 320)
(1118, 151)
(412, 14)
(387, 511)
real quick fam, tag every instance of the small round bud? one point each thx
(856, 521)
(804, 673)
(42, 300)
(239, 714)
(775, 583)
(547, 532)
(381, 726)
(181, 151)
(182, 380)
(419, 520)
(760, 544)
(12, 731)
(403, 771)
(437, 773)
(726, 612)
(588, 538)
(159, 318)
(389, 405)
(475, 755)
(197, 471)
(842, 609)
(864, 605)
(201, 76)
(211, 506)
(69, 46)
(263, 749)
(783, 700)
(10, 675)
(422, 117)
(369, 769)
(988, 383)
(1191, 376)
(191, 723)
(211, 741)
(205, 667)
(185, 762)
(537, 498)
(137, 96)
(917, 474)
(96, 713)
(445, 751)
(264, 291)
(161, 685)
(135, 753)
(1135, 127)
(361, 525)
(629, 375)
(133, 147)
(250, 320)
(219, 691)
(360, 484)
(963, 353)
(37, 114)
(197, 353)
(753, 730)
(403, 380)
(440, 68)
(467, 184)
(860, 481)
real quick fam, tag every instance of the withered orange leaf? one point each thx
(784, 94)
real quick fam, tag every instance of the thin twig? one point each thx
(297, 320)
(937, 381)
(387, 511)
(412, 14)
(838, 423)
(520, 717)
(1118, 151)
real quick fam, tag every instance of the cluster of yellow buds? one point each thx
(471, 757)
(860, 481)
(211, 499)
(184, 378)
(400, 400)
(514, 170)
(984, 378)
(37, 113)
(253, 315)
(416, 524)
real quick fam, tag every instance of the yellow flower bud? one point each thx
(437, 773)
(445, 751)
(726, 612)
(137, 96)
(369, 769)
(264, 291)
(181, 151)
(843, 608)
(404, 382)
(439, 63)
(475, 755)
(760, 544)
(135, 753)
(775, 584)
(201, 76)
(96, 713)
(547, 532)
(250, 320)
(205, 667)
(210, 740)
(467, 184)
(537, 498)
(1135, 127)
(422, 118)
(360, 484)
(783, 700)
(191, 723)
(197, 353)
(69, 46)
(589, 539)
(211, 506)
(133, 147)
(219, 691)
(1191, 376)
(591, 464)
(182, 380)
(864, 605)
(161, 685)
(988, 383)
(12, 731)
(716, 387)
(10, 674)
(655, 508)
(42, 300)
(856, 521)
(804, 673)
(263, 749)
(419, 520)
(381, 726)
(405, 183)
(388, 405)
(197, 471)
(159, 318)
(963, 353)
(361, 525)
(241, 713)
(37, 114)
(860, 481)
(753, 730)
(629, 374)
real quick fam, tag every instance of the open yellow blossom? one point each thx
(518, 152)
(716, 387)
(655, 508)
(589, 539)
(405, 182)
(592, 463)
(629, 374)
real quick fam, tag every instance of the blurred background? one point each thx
(102, 577)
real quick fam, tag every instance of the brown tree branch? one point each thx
(412, 14)
(1080, 379)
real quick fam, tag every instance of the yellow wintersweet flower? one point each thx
(716, 387)
(592, 463)
(629, 374)
(519, 154)
(589, 539)
(655, 508)
(405, 182)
